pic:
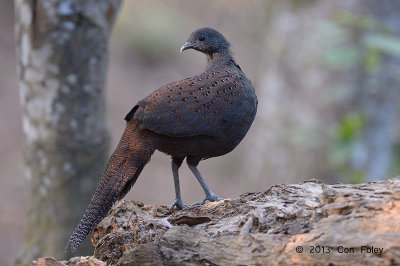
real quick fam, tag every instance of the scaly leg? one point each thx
(175, 164)
(209, 194)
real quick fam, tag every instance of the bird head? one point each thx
(208, 41)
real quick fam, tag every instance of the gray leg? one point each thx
(209, 194)
(176, 163)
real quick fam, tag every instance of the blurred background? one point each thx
(326, 74)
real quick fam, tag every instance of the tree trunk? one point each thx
(300, 224)
(303, 99)
(381, 97)
(62, 61)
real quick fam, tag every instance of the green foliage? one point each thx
(360, 22)
(358, 42)
(375, 40)
(356, 176)
(346, 135)
(350, 127)
(372, 59)
(342, 56)
(388, 44)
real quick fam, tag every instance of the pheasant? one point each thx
(195, 118)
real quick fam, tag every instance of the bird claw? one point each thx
(180, 206)
(211, 198)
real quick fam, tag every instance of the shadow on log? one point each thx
(302, 224)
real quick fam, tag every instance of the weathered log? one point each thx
(309, 223)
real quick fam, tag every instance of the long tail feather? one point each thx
(121, 173)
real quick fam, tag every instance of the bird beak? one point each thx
(185, 46)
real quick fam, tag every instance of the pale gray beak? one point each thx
(185, 46)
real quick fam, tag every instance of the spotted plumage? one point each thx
(194, 106)
(195, 118)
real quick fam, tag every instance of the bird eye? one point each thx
(202, 38)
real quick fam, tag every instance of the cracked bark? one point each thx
(62, 60)
(262, 228)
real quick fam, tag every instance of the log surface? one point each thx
(302, 224)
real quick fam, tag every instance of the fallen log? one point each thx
(298, 224)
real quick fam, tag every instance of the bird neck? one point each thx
(219, 59)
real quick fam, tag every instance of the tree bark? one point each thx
(62, 61)
(301, 224)
(381, 96)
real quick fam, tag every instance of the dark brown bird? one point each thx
(195, 118)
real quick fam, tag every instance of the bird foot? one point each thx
(211, 198)
(180, 206)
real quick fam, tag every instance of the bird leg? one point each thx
(176, 163)
(209, 194)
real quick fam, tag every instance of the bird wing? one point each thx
(192, 106)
